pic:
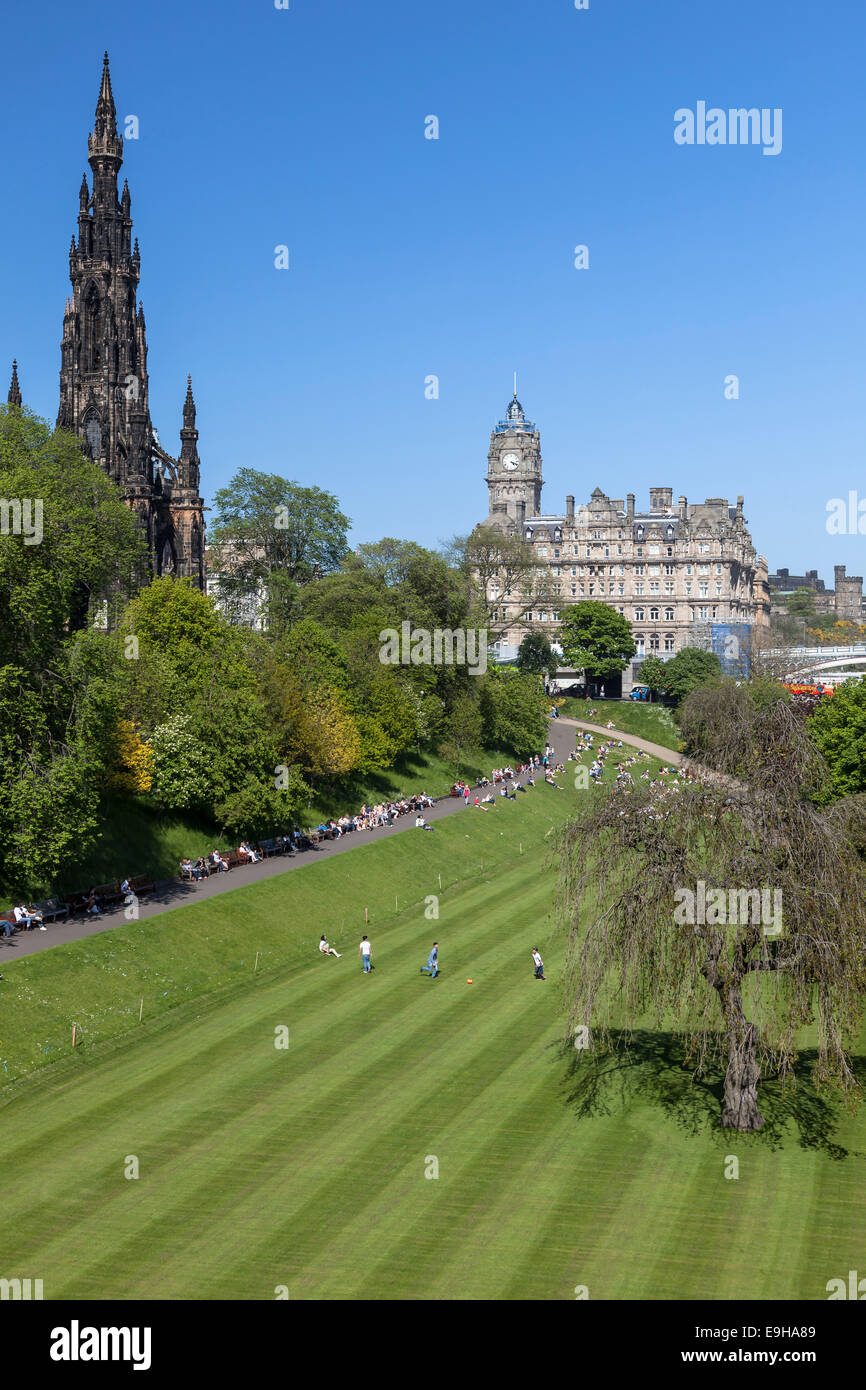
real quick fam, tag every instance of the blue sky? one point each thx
(454, 257)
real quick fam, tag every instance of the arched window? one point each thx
(669, 615)
(93, 433)
(92, 330)
(654, 641)
(639, 643)
(638, 615)
(654, 615)
(669, 641)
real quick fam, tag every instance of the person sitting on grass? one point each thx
(421, 824)
(327, 950)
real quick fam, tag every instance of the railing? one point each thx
(522, 426)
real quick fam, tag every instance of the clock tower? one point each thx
(514, 478)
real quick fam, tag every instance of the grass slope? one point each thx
(97, 983)
(653, 722)
(305, 1167)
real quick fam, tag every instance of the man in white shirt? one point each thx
(27, 919)
(365, 951)
(327, 950)
(539, 964)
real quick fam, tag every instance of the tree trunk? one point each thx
(740, 1108)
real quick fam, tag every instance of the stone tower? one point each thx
(103, 372)
(14, 397)
(514, 478)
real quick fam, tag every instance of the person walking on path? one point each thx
(539, 964)
(432, 966)
(365, 951)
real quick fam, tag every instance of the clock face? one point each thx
(510, 461)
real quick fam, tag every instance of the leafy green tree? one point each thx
(737, 915)
(654, 673)
(273, 535)
(181, 766)
(801, 604)
(462, 732)
(500, 570)
(66, 541)
(257, 810)
(388, 559)
(216, 679)
(536, 656)
(838, 729)
(596, 639)
(690, 668)
(514, 710)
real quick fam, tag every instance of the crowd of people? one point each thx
(385, 813)
(367, 818)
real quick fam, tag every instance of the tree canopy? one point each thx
(596, 639)
(737, 909)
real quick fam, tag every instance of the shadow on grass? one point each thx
(653, 1068)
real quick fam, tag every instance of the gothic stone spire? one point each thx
(14, 397)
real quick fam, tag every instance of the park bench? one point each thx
(108, 895)
(141, 885)
(51, 909)
(74, 902)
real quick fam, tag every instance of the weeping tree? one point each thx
(732, 906)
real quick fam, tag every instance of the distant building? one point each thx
(844, 601)
(239, 602)
(104, 373)
(667, 568)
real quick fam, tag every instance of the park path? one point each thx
(173, 893)
(656, 750)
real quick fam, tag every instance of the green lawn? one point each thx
(305, 1167)
(655, 722)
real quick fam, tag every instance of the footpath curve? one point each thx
(655, 750)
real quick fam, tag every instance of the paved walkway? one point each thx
(656, 750)
(178, 893)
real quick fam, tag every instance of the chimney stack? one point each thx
(630, 508)
(569, 509)
(683, 509)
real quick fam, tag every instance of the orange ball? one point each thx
(469, 982)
